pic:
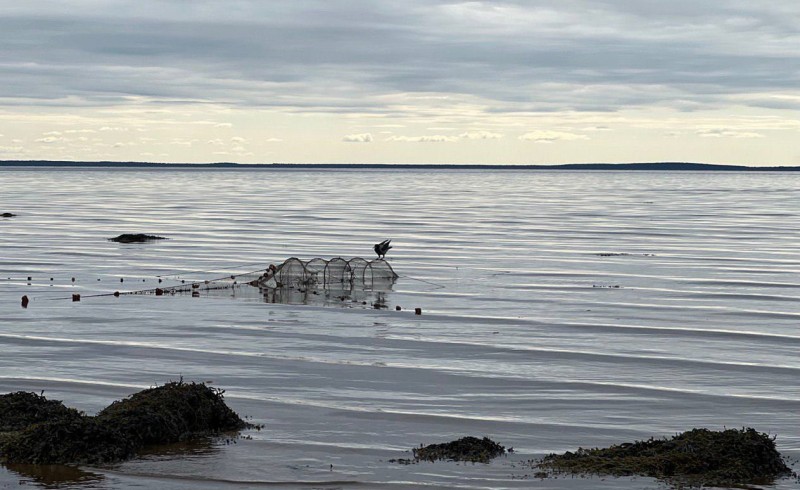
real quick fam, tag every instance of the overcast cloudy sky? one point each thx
(401, 81)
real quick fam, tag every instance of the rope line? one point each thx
(186, 285)
(178, 274)
(438, 286)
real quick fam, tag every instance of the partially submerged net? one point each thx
(336, 273)
(297, 281)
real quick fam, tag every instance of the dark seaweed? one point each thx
(135, 238)
(21, 409)
(699, 457)
(162, 415)
(469, 449)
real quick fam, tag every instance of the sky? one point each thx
(401, 81)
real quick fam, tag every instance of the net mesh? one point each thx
(292, 274)
(295, 281)
(336, 273)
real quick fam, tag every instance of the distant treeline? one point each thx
(657, 166)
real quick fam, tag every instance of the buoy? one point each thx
(76, 297)
(29, 278)
(73, 279)
(397, 308)
(417, 311)
(24, 301)
(159, 292)
(159, 280)
(116, 294)
(121, 279)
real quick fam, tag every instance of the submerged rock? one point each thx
(162, 415)
(135, 238)
(699, 457)
(465, 449)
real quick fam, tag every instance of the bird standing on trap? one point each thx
(382, 248)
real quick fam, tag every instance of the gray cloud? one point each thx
(310, 56)
(358, 138)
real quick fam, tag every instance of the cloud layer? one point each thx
(310, 55)
(503, 66)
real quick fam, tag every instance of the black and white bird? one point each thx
(382, 248)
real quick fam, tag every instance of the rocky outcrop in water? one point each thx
(135, 238)
(699, 457)
(35, 430)
(470, 449)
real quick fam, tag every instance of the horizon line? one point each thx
(458, 166)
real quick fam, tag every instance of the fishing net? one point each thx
(295, 281)
(336, 273)
(291, 274)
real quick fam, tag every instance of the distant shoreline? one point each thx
(651, 166)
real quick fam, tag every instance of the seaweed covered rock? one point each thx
(697, 457)
(171, 413)
(135, 238)
(21, 409)
(162, 415)
(465, 449)
(69, 439)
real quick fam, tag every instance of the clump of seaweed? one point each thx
(21, 409)
(161, 415)
(699, 457)
(70, 439)
(135, 238)
(469, 449)
(171, 413)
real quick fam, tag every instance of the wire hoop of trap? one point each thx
(336, 273)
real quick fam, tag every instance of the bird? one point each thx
(382, 248)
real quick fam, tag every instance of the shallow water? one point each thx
(560, 309)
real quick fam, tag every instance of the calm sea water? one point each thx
(560, 309)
